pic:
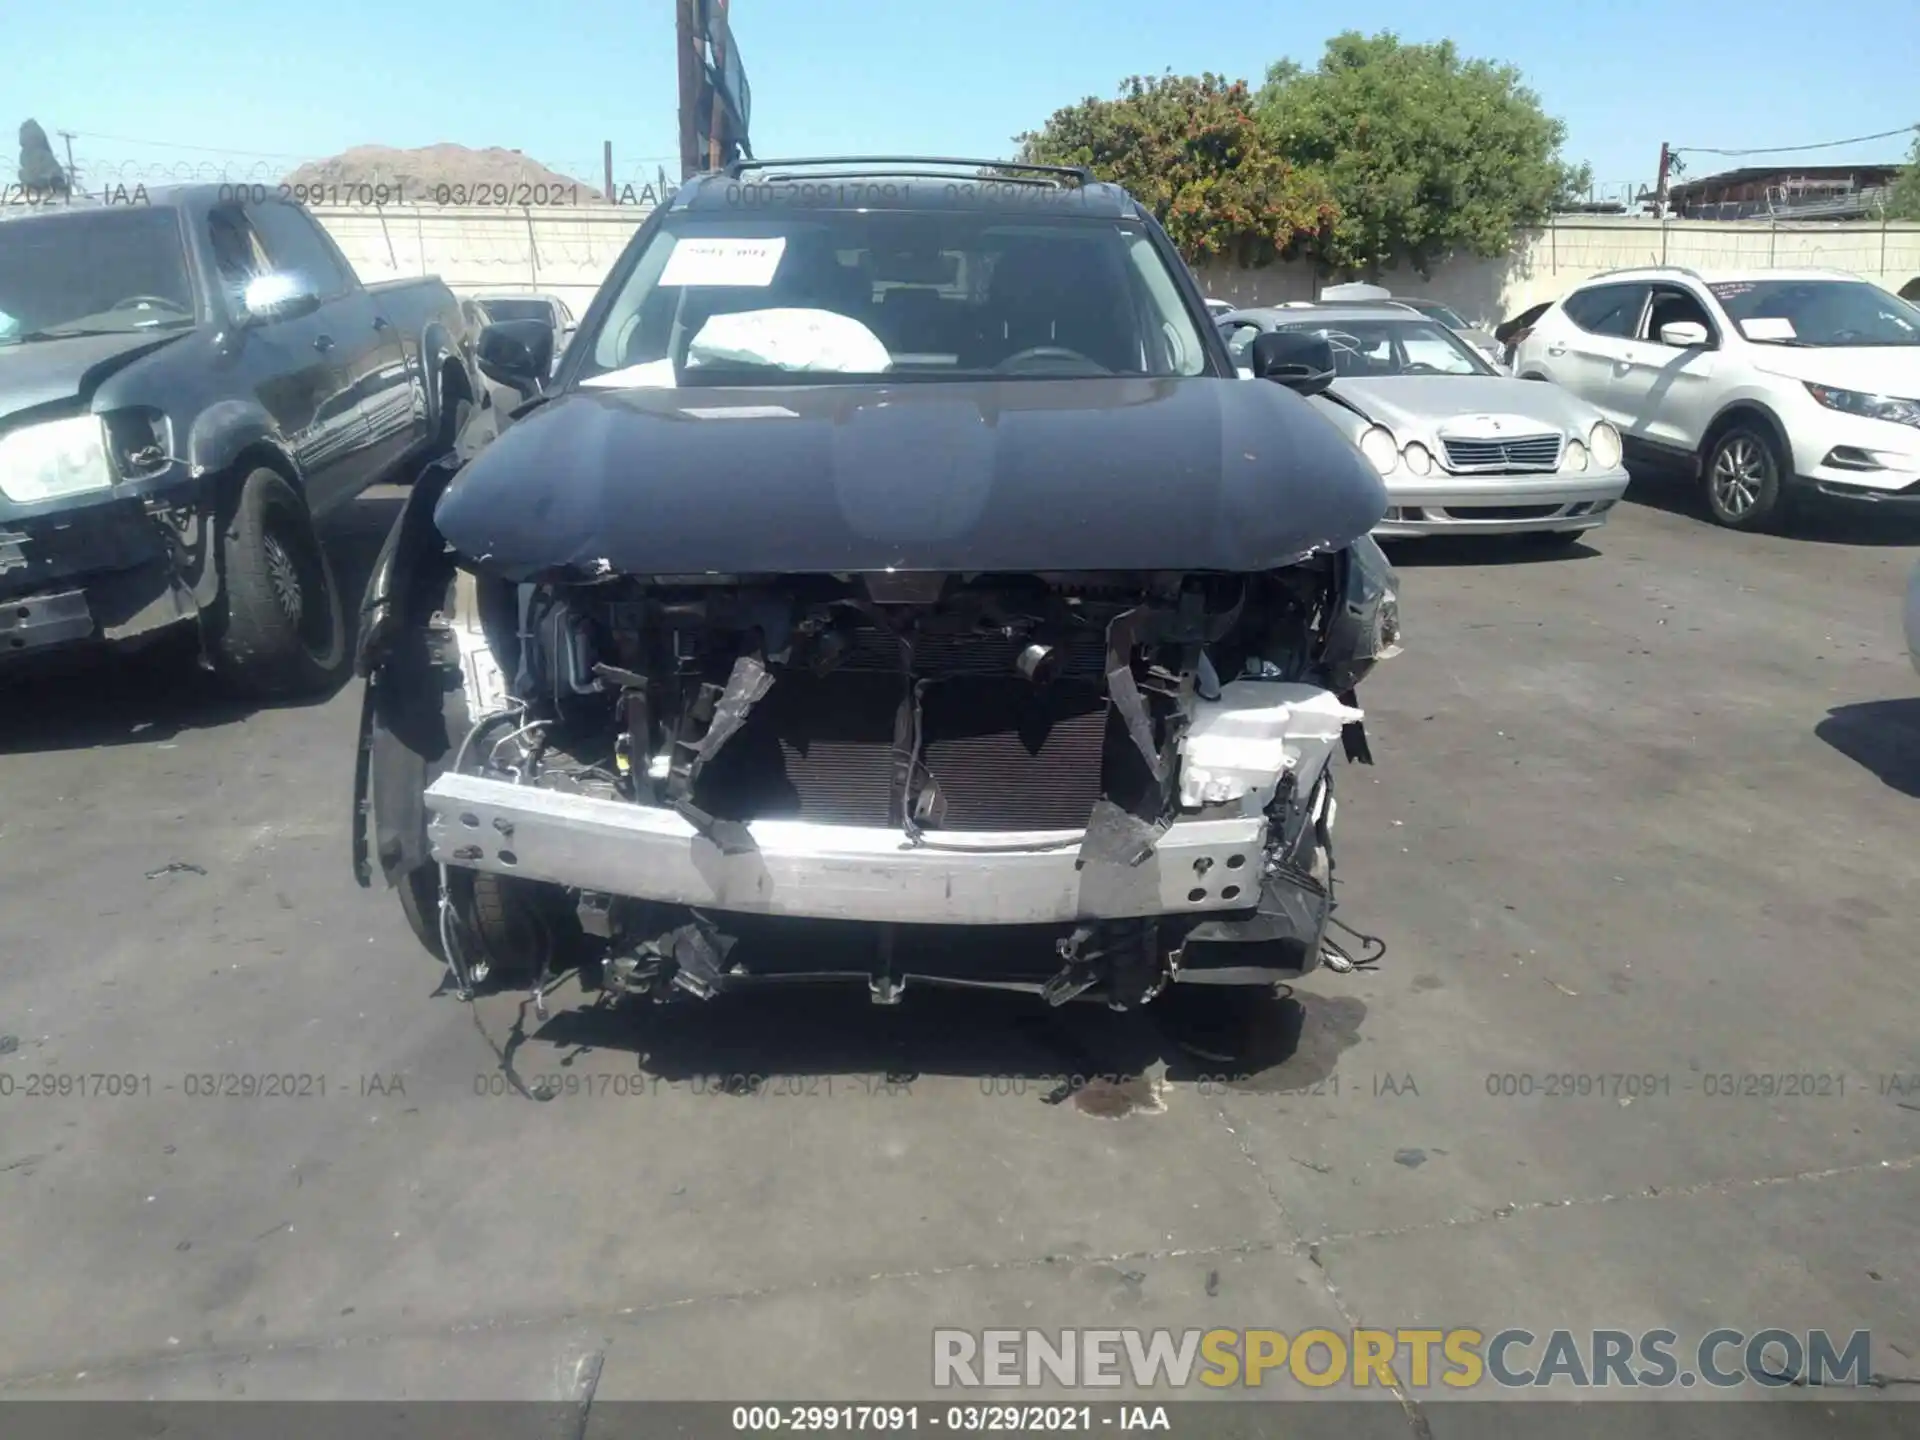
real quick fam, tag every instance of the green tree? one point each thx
(1190, 149)
(1424, 152)
(1903, 201)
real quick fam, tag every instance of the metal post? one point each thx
(689, 87)
(606, 157)
(717, 148)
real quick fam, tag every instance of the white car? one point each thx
(1463, 448)
(1769, 384)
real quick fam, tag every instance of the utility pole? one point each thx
(606, 160)
(718, 127)
(1660, 185)
(73, 180)
(690, 77)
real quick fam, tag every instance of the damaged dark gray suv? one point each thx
(895, 583)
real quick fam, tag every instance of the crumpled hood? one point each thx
(1419, 406)
(45, 372)
(1013, 475)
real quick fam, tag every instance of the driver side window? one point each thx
(237, 252)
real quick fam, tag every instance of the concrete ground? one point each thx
(1643, 816)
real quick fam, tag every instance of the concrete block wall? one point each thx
(569, 251)
(1545, 263)
(488, 250)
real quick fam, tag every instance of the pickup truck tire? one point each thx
(1745, 477)
(282, 630)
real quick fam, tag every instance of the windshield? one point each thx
(1434, 310)
(92, 272)
(1377, 349)
(1818, 313)
(825, 295)
(518, 310)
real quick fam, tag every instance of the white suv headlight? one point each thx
(1379, 446)
(55, 458)
(1603, 442)
(1898, 409)
(1575, 457)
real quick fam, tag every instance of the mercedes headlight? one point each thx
(1379, 447)
(1603, 443)
(1417, 458)
(1869, 407)
(55, 458)
(1575, 458)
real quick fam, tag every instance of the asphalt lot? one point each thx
(1645, 810)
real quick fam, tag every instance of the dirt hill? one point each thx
(444, 174)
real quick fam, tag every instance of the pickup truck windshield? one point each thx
(1824, 314)
(1372, 349)
(824, 295)
(86, 272)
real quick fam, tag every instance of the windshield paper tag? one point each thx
(723, 261)
(1767, 327)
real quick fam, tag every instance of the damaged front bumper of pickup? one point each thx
(115, 568)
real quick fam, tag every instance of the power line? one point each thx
(1794, 149)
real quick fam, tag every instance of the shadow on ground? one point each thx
(1455, 550)
(88, 698)
(1881, 735)
(1829, 521)
(809, 1038)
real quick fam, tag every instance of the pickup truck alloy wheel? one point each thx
(1743, 479)
(281, 630)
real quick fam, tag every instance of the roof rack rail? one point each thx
(736, 168)
(1686, 270)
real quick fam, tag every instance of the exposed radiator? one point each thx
(1001, 755)
(996, 753)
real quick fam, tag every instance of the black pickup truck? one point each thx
(185, 385)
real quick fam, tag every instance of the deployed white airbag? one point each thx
(790, 339)
(1238, 746)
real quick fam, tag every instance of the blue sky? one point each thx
(261, 84)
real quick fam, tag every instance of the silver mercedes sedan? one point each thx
(1463, 448)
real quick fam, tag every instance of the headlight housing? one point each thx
(1603, 443)
(1417, 458)
(1575, 456)
(1870, 407)
(54, 458)
(1379, 446)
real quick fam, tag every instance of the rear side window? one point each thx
(1607, 309)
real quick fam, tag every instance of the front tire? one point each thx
(282, 630)
(1746, 479)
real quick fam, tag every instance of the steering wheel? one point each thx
(136, 301)
(1054, 355)
(1844, 337)
(1420, 367)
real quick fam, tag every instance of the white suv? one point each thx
(1768, 383)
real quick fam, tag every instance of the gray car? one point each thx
(1462, 448)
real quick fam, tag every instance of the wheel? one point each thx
(419, 891)
(455, 410)
(282, 630)
(1745, 478)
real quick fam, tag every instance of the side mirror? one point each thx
(1301, 362)
(277, 297)
(1684, 334)
(517, 354)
